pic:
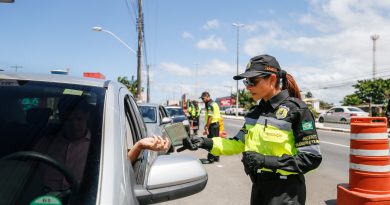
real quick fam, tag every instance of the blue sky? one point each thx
(191, 45)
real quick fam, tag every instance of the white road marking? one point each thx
(218, 165)
(341, 145)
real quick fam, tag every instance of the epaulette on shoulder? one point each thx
(298, 102)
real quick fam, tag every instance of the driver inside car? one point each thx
(69, 145)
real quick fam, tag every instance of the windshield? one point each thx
(62, 122)
(148, 113)
(175, 111)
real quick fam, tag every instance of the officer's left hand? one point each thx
(253, 161)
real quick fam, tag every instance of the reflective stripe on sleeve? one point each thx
(250, 121)
(371, 153)
(369, 168)
(313, 149)
(368, 136)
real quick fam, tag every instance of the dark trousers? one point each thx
(213, 132)
(271, 189)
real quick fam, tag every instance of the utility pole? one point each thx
(140, 23)
(16, 67)
(374, 38)
(148, 85)
(196, 80)
(237, 25)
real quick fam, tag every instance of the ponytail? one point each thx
(288, 83)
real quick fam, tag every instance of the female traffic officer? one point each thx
(279, 141)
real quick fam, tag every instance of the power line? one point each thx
(339, 84)
(132, 17)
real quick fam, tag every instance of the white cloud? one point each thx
(187, 35)
(212, 24)
(217, 67)
(338, 49)
(176, 70)
(212, 43)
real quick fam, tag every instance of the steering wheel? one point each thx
(30, 155)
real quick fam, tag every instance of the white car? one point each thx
(29, 113)
(341, 114)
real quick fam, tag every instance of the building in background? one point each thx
(225, 102)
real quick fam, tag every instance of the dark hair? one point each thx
(288, 83)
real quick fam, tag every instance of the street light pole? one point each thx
(237, 25)
(97, 28)
(374, 38)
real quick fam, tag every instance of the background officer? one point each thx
(194, 115)
(211, 129)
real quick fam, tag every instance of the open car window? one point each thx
(41, 122)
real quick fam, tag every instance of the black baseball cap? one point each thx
(260, 65)
(204, 94)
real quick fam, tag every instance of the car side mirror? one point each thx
(172, 177)
(166, 120)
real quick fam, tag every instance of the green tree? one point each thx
(374, 89)
(130, 84)
(245, 99)
(309, 95)
(324, 105)
(352, 99)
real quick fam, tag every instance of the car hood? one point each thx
(179, 118)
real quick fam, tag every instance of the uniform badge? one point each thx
(307, 125)
(282, 111)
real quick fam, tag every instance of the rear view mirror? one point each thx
(172, 177)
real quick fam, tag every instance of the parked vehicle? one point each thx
(177, 114)
(341, 114)
(29, 112)
(232, 111)
(155, 117)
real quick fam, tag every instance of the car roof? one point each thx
(56, 78)
(172, 107)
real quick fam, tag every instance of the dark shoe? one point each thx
(206, 161)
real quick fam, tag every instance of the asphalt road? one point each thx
(228, 183)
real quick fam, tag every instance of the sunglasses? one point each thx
(252, 82)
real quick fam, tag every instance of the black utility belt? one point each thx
(273, 175)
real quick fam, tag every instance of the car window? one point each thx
(353, 109)
(339, 110)
(55, 120)
(148, 113)
(332, 110)
(175, 111)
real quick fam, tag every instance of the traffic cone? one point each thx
(369, 173)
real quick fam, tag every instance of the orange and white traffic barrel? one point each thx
(369, 172)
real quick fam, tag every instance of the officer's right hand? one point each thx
(194, 143)
(187, 144)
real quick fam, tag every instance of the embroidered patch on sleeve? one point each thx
(307, 125)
